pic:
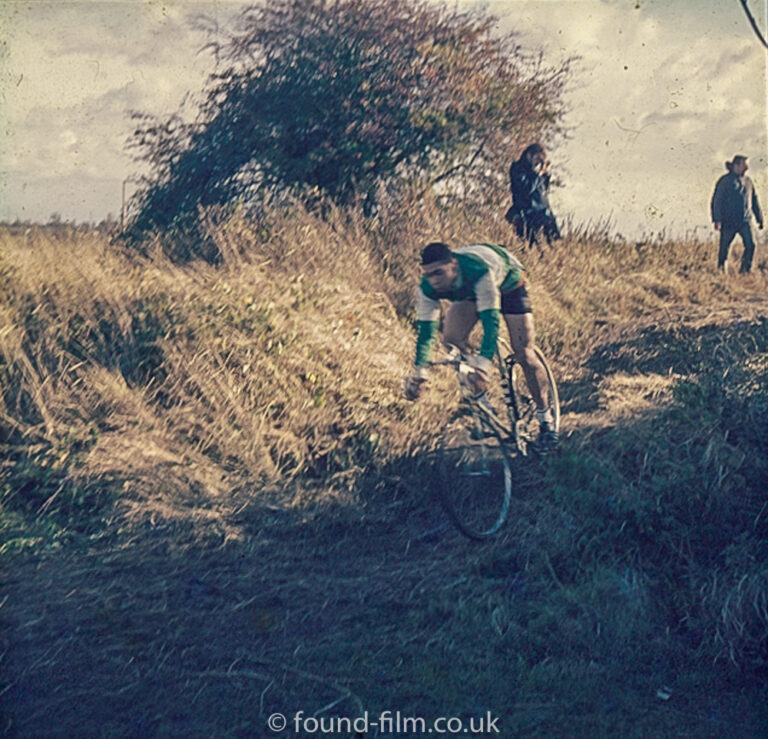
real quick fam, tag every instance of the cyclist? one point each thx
(482, 281)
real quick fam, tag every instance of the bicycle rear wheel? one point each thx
(524, 406)
(474, 476)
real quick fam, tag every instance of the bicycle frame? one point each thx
(475, 471)
(476, 490)
(516, 429)
(481, 402)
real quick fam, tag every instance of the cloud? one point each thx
(661, 96)
(137, 32)
(80, 73)
(94, 29)
(72, 73)
(65, 52)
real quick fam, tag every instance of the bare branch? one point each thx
(754, 24)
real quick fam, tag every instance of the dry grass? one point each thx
(285, 359)
(272, 534)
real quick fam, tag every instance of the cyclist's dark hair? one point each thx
(532, 150)
(435, 252)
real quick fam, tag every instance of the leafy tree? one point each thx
(342, 97)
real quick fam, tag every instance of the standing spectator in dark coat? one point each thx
(733, 205)
(530, 213)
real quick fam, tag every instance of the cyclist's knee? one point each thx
(526, 355)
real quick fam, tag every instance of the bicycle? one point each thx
(479, 441)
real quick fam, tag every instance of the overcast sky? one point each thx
(665, 91)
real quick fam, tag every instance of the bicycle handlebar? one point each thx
(454, 359)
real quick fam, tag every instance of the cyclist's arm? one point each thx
(424, 345)
(490, 319)
(489, 311)
(428, 316)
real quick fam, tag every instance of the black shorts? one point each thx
(516, 302)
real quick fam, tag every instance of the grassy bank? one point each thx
(148, 393)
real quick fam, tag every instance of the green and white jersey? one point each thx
(485, 271)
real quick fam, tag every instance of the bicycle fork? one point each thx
(513, 412)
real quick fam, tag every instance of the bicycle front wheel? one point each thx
(475, 480)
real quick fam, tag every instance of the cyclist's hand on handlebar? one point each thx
(414, 387)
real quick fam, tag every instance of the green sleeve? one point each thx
(425, 341)
(514, 278)
(490, 321)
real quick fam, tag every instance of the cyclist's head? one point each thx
(439, 265)
(435, 252)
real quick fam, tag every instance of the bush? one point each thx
(337, 101)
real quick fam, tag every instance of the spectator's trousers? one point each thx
(727, 234)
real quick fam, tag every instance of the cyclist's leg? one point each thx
(518, 315)
(458, 322)
(516, 309)
(521, 337)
